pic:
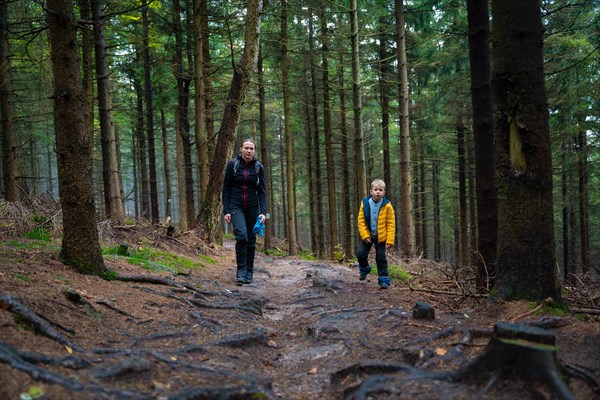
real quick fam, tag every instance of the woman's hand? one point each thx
(262, 217)
(228, 218)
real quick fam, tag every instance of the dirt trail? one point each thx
(301, 330)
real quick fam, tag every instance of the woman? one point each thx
(244, 201)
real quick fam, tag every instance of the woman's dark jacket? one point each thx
(245, 187)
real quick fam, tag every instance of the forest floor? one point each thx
(301, 330)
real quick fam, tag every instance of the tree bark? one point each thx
(7, 112)
(154, 214)
(113, 201)
(327, 130)
(384, 77)
(166, 159)
(408, 225)
(289, 143)
(199, 96)
(359, 139)
(347, 211)
(582, 170)
(80, 245)
(316, 146)
(264, 155)
(483, 130)
(142, 153)
(210, 215)
(526, 263)
(182, 115)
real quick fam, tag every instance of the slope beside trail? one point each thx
(301, 330)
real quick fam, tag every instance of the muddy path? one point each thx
(301, 330)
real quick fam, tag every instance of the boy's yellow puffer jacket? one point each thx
(386, 222)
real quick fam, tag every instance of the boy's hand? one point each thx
(389, 246)
(368, 240)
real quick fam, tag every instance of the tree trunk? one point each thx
(80, 245)
(408, 226)
(199, 104)
(525, 255)
(423, 195)
(87, 67)
(316, 146)
(359, 140)
(180, 163)
(483, 130)
(311, 173)
(166, 159)
(183, 123)
(463, 236)
(264, 155)
(142, 153)
(437, 234)
(289, 144)
(154, 214)
(113, 201)
(582, 169)
(210, 215)
(7, 112)
(328, 132)
(384, 77)
(566, 205)
(207, 90)
(347, 211)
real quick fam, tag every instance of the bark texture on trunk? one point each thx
(525, 256)
(80, 246)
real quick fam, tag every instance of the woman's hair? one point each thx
(248, 141)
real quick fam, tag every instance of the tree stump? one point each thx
(528, 353)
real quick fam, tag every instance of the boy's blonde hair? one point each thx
(378, 182)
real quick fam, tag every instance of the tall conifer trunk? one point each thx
(80, 244)
(525, 256)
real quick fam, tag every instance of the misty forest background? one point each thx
(145, 99)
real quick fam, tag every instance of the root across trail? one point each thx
(301, 330)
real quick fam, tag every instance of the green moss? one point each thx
(40, 234)
(24, 278)
(398, 273)
(307, 255)
(156, 260)
(110, 275)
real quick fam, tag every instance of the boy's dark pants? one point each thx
(380, 256)
(245, 240)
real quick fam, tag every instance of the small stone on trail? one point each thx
(423, 311)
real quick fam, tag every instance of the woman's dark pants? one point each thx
(245, 241)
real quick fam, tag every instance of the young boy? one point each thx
(376, 226)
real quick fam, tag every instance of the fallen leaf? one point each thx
(69, 350)
(313, 370)
(440, 352)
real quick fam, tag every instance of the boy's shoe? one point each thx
(384, 282)
(364, 271)
(240, 281)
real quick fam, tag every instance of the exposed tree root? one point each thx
(12, 357)
(259, 336)
(246, 392)
(519, 351)
(9, 303)
(246, 305)
(159, 280)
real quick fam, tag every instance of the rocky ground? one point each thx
(301, 330)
